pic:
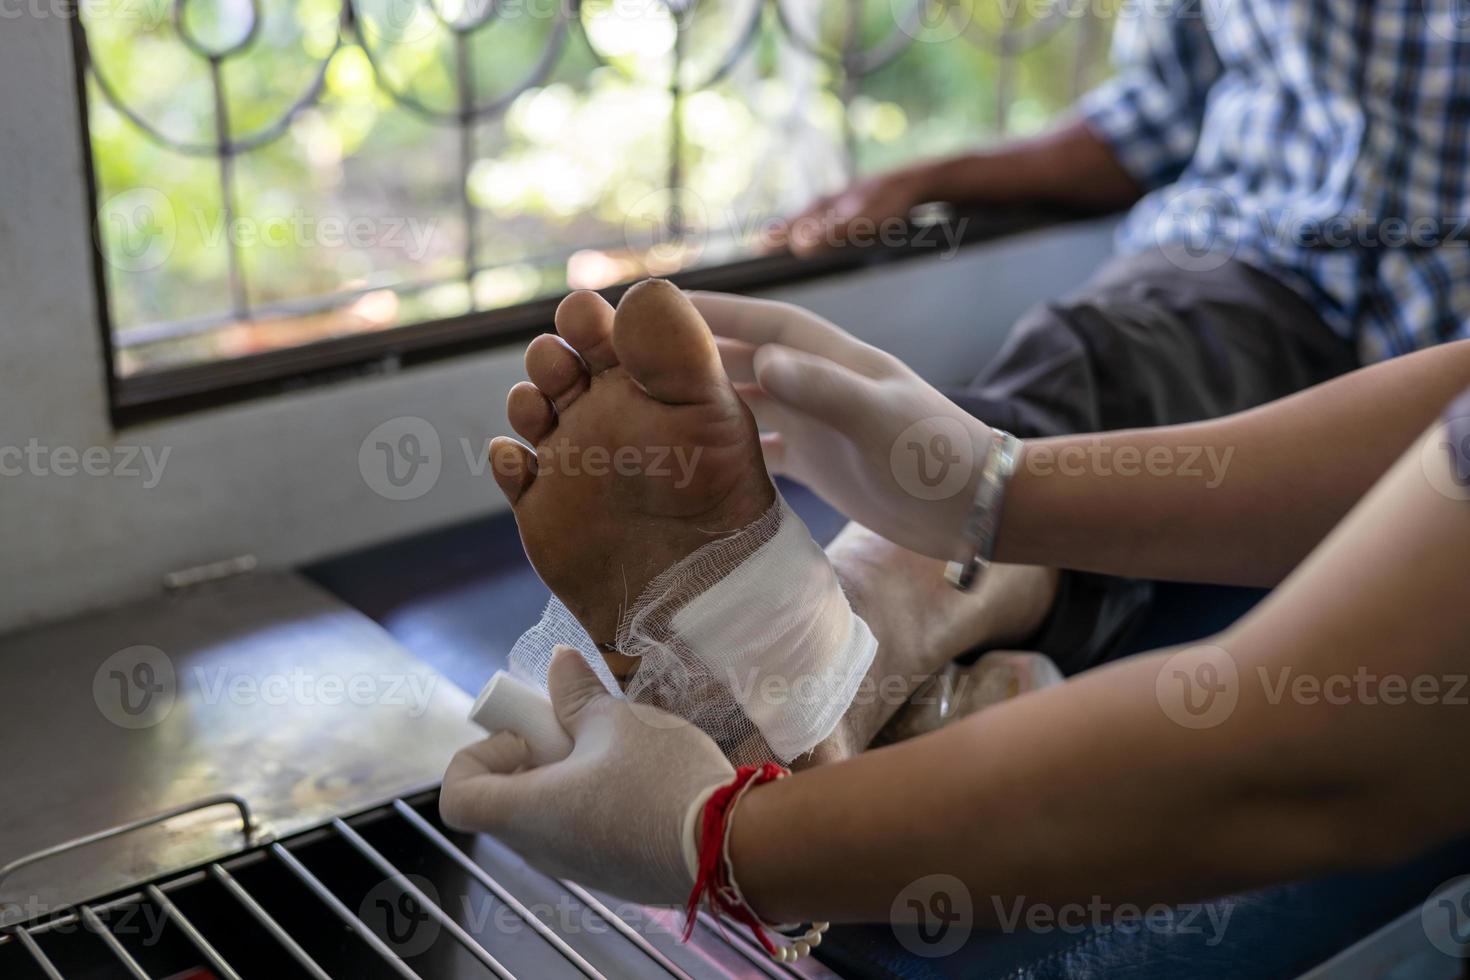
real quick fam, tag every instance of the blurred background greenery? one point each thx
(375, 200)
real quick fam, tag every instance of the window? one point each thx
(298, 176)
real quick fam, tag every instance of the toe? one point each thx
(556, 369)
(514, 467)
(530, 412)
(585, 320)
(664, 343)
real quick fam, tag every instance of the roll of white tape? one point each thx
(507, 704)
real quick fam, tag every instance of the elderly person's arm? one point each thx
(1133, 133)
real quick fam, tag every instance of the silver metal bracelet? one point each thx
(984, 517)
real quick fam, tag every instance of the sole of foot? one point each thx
(642, 452)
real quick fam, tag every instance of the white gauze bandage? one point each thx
(750, 637)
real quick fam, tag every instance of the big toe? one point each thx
(664, 343)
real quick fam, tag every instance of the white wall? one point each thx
(279, 478)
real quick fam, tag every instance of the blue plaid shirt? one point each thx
(1326, 142)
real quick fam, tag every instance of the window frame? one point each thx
(166, 392)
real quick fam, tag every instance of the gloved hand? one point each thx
(852, 422)
(617, 814)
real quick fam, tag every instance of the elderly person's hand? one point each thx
(855, 214)
(618, 814)
(852, 422)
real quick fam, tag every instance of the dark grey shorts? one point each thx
(1145, 343)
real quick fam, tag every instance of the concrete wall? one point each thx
(280, 478)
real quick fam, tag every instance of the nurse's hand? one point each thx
(617, 814)
(852, 422)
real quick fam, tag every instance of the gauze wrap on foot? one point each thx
(750, 637)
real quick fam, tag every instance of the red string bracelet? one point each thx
(713, 879)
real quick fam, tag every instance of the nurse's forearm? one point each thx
(1087, 789)
(1309, 738)
(1237, 500)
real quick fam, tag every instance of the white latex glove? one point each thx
(617, 814)
(852, 422)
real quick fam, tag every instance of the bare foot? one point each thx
(922, 623)
(643, 452)
(957, 692)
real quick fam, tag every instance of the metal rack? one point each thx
(288, 854)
